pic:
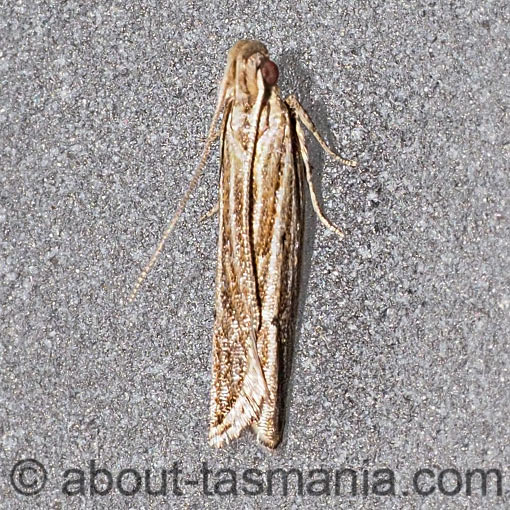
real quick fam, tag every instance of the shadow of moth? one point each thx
(264, 167)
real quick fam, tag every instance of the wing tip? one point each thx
(243, 414)
(248, 406)
(270, 440)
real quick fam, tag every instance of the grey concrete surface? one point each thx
(401, 358)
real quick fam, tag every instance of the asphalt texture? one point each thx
(401, 360)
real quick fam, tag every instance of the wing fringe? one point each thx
(247, 407)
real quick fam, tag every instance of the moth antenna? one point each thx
(211, 136)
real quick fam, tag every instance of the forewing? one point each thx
(238, 385)
(277, 235)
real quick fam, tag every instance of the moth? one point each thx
(264, 169)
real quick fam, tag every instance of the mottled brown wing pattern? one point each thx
(264, 167)
(277, 249)
(273, 213)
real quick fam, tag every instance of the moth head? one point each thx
(247, 60)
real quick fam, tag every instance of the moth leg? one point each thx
(308, 174)
(215, 208)
(301, 114)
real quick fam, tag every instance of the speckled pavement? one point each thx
(401, 361)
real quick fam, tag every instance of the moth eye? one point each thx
(269, 72)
